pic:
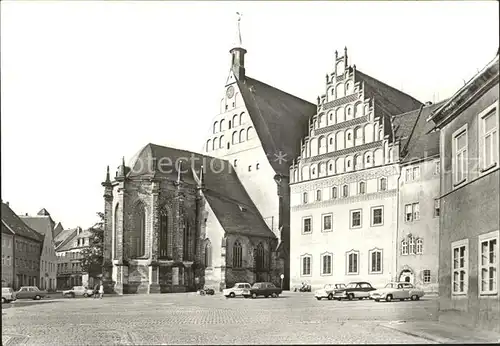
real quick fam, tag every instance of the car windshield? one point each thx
(340, 286)
(35, 289)
(352, 285)
(388, 286)
(5, 290)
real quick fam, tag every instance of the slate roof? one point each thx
(62, 236)
(18, 226)
(280, 120)
(415, 133)
(64, 243)
(58, 228)
(41, 224)
(5, 229)
(223, 190)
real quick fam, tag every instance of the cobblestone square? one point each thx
(192, 319)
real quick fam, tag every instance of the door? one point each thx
(402, 292)
(238, 289)
(364, 290)
(23, 293)
(408, 290)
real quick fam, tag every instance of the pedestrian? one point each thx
(101, 290)
(96, 290)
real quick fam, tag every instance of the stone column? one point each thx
(154, 286)
(120, 256)
(107, 265)
(175, 276)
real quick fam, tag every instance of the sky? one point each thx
(85, 83)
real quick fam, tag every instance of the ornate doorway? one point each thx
(407, 276)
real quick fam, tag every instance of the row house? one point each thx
(23, 249)
(469, 202)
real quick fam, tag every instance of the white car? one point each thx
(237, 290)
(328, 291)
(397, 290)
(78, 291)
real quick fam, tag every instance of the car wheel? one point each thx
(330, 296)
(274, 295)
(377, 300)
(318, 298)
(232, 295)
(415, 297)
(38, 297)
(350, 296)
(254, 295)
(388, 298)
(85, 295)
(4, 300)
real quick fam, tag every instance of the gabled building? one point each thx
(258, 130)
(58, 228)
(469, 202)
(43, 224)
(344, 184)
(27, 247)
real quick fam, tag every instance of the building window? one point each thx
(412, 245)
(326, 264)
(327, 222)
(318, 195)
(488, 263)
(362, 188)
(345, 191)
(237, 255)
(235, 164)
(437, 167)
(412, 174)
(383, 184)
(257, 166)
(460, 155)
(420, 246)
(250, 168)
(375, 261)
(412, 212)
(427, 276)
(459, 271)
(352, 262)
(356, 218)
(304, 198)
(334, 192)
(306, 265)
(488, 128)
(377, 216)
(260, 257)
(437, 203)
(306, 225)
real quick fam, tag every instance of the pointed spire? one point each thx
(108, 180)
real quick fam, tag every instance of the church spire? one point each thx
(238, 53)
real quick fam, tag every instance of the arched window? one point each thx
(339, 165)
(187, 244)
(349, 88)
(242, 118)
(221, 142)
(305, 173)
(318, 195)
(235, 137)
(237, 255)
(250, 133)
(260, 258)
(334, 192)
(349, 140)
(229, 124)
(404, 247)
(339, 69)
(345, 191)
(340, 91)
(320, 121)
(137, 233)
(208, 254)
(235, 120)
(304, 198)
(331, 167)
(358, 162)
(222, 125)
(216, 127)
(214, 143)
(348, 164)
(116, 242)
(163, 243)
(339, 140)
(242, 136)
(349, 113)
(383, 184)
(362, 188)
(330, 117)
(209, 145)
(322, 169)
(369, 131)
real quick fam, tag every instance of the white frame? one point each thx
(360, 218)
(355, 252)
(343, 194)
(302, 264)
(482, 136)
(323, 229)
(481, 238)
(370, 271)
(457, 245)
(372, 210)
(416, 169)
(462, 130)
(319, 193)
(331, 192)
(323, 255)
(404, 244)
(310, 225)
(406, 213)
(421, 250)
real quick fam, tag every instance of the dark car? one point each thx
(359, 290)
(206, 291)
(30, 292)
(266, 289)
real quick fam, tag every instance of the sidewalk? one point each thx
(443, 333)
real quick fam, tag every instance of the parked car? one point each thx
(397, 290)
(328, 291)
(359, 290)
(266, 289)
(30, 292)
(236, 290)
(8, 295)
(78, 291)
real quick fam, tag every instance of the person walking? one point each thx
(96, 290)
(101, 290)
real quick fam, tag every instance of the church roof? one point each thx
(16, 225)
(223, 190)
(280, 120)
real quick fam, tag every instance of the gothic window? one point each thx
(136, 236)
(362, 188)
(235, 137)
(334, 192)
(235, 120)
(216, 127)
(209, 145)
(318, 195)
(260, 257)
(237, 255)
(383, 184)
(242, 136)
(208, 254)
(186, 244)
(117, 208)
(242, 118)
(222, 125)
(250, 133)
(221, 142)
(163, 243)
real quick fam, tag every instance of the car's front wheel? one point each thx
(85, 295)
(388, 298)
(415, 297)
(232, 295)
(350, 296)
(274, 295)
(4, 300)
(37, 297)
(254, 295)
(330, 296)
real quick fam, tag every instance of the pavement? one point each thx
(188, 318)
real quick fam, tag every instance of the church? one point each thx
(176, 220)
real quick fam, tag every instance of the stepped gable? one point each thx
(280, 120)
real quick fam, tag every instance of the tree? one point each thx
(92, 256)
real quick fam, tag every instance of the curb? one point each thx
(418, 335)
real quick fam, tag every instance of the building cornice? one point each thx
(340, 153)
